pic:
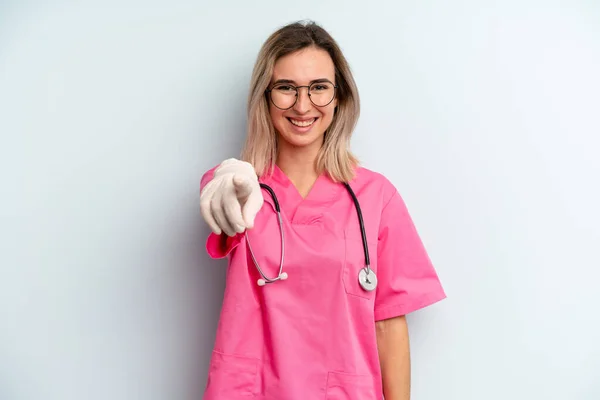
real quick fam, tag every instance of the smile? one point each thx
(303, 124)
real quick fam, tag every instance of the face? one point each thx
(304, 124)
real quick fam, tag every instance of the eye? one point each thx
(320, 87)
(285, 88)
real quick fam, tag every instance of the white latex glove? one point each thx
(230, 201)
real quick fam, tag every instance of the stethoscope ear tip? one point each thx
(261, 282)
(283, 276)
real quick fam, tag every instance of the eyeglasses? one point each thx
(285, 95)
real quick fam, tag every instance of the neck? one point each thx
(299, 162)
(299, 165)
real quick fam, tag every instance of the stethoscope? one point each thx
(366, 276)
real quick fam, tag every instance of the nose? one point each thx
(303, 103)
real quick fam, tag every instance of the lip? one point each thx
(302, 129)
(302, 119)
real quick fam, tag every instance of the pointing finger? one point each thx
(243, 186)
(252, 207)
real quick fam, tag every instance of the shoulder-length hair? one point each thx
(260, 148)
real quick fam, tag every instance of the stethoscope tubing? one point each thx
(282, 275)
(361, 223)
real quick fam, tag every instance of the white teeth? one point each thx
(303, 123)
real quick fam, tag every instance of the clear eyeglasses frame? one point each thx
(285, 95)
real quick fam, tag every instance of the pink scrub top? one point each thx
(313, 335)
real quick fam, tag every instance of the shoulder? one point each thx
(369, 181)
(207, 176)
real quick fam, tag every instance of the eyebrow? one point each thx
(290, 81)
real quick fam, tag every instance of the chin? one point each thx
(301, 142)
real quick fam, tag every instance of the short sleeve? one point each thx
(218, 246)
(407, 280)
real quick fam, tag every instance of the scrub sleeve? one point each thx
(407, 278)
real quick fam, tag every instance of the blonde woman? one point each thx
(324, 261)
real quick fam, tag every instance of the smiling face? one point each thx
(304, 124)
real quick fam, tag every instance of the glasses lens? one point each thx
(283, 96)
(321, 93)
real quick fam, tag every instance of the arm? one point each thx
(394, 357)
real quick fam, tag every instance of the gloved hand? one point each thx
(230, 201)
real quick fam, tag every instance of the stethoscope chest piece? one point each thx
(367, 279)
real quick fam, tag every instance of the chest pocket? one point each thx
(355, 261)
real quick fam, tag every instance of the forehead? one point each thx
(304, 66)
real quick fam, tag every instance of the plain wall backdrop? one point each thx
(485, 115)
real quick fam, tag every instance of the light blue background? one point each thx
(485, 114)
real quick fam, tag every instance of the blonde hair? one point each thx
(260, 148)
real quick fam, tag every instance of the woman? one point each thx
(327, 325)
